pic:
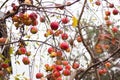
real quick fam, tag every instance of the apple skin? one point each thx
(75, 65)
(107, 13)
(65, 20)
(79, 39)
(68, 67)
(34, 23)
(98, 3)
(15, 18)
(28, 53)
(102, 71)
(59, 54)
(64, 45)
(64, 63)
(4, 65)
(26, 60)
(59, 67)
(114, 29)
(39, 75)
(111, 5)
(34, 30)
(106, 18)
(108, 23)
(22, 50)
(56, 74)
(33, 16)
(15, 8)
(108, 64)
(1, 73)
(66, 72)
(42, 19)
(50, 50)
(2, 40)
(115, 12)
(59, 78)
(54, 25)
(64, 36)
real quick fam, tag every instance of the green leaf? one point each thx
(16, 78)
(11, 50)
(1, 56)
(7, 60)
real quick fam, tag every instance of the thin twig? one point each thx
(3, 4)
(113, 54)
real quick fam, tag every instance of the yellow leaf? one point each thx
(11, 50)
(9, 69)
(75, 21)
(91, 1)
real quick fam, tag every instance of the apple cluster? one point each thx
(22, 51)
(60, 67)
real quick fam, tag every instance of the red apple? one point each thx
(1, 73)
(59, 78)
(98, 3)
(34, 23)
(39, 75)
(64, 36)
(111, 5)
(42, 19)
(114, 29)
(28, 53)
(66, 72)
(102, 71)
(34, 30)
(50, 50)
(108, 22)
(75, 65)
(106, 18)
(79, 39)
(2, 40)
(4, 65)
(26, 60)
(56, 74)
(49, 31)
(68, 67)
(22, 50)
(68, 50)
(65, 20)
(108, 64)
(59, 67)
(15, 8)
(65, 63)
(15, 18)
(107, 13)
(54, 25)
(64, 45)
(59, 53)
(115, 12)
(33, 16)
